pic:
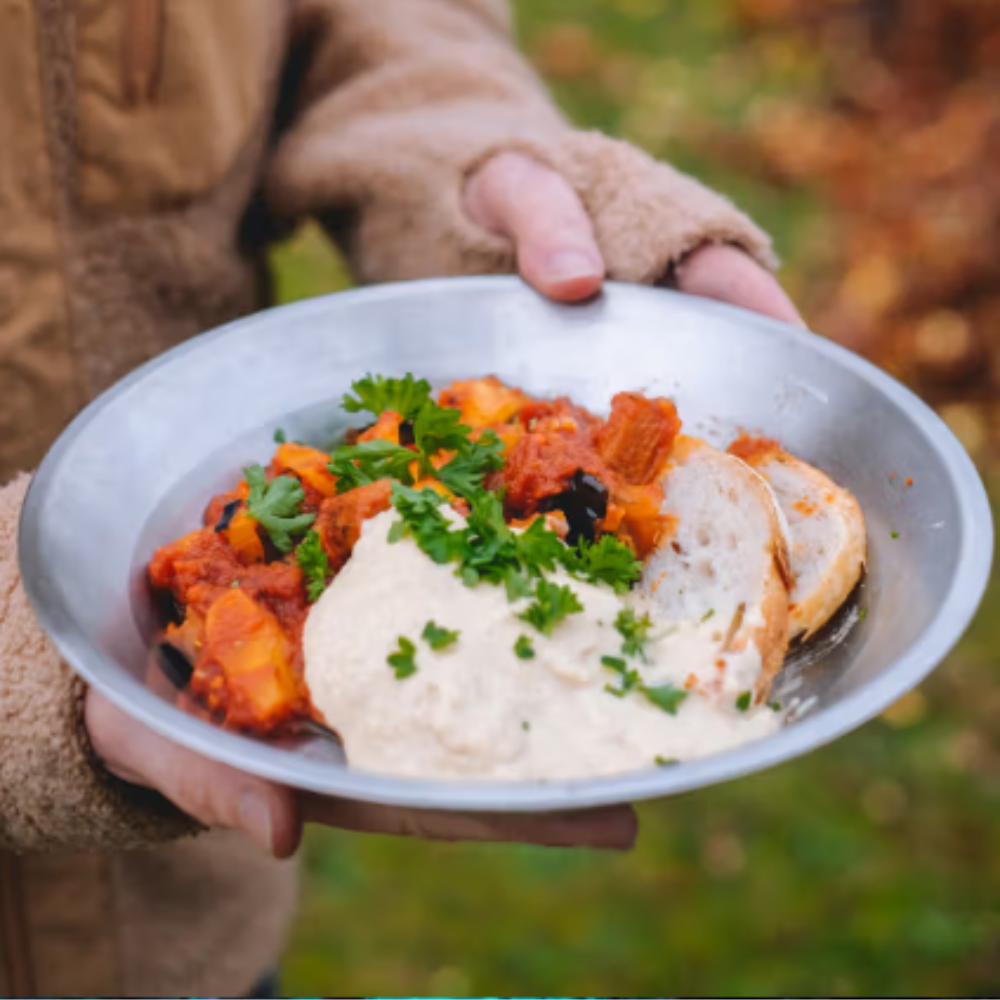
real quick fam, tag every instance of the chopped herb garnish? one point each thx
(862, 614)
(774, 706)
(630, 678)
(361, 464)
(708, 614)
(523, 648)
(439, 428)
(464, 474)
(315, 565)
(235, 584)
(403, 661)
(438, 638)
(666, 696)
(376, 394)
(894, 534)
(634, 631)
(744, 700)
(526, 726)
(553, 603)
(609, 561)
(665, 761)
(279, 436)
(277, 506)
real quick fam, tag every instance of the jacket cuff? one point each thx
(394, 201)
(54, 795)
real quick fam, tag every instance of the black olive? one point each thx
(584, 503)
(406, 437)
(228, 513)
(169, 608)
(177, 667)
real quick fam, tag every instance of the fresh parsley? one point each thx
(314, 563)
(280, 437)
(523, 648)
(277, 506)
(438, 638)
(665, 696)
(361, 464)
(707, 615)
(665, 761)
(403, 661)
(439, 428)
(609, 561)
(376, 394)
(421, 517)
(743, 702)
(634, 632)
(464, 474)
(553, 603)
(630, 678)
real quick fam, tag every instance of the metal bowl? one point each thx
(137, 467)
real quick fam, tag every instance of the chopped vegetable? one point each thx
(744, 701)
(523, 648)
(376, 394)
(279, 436)
(438, 638)
(276, 506)
(315, 565)
(665, 761)
(610, 561)
(630, 678)
(403, 661)
(634, 631)
(553, 603)
(365, 463)
(666, 696)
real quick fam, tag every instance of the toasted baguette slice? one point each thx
(827, 541)
(724, 563)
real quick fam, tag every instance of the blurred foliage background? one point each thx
(865, 135)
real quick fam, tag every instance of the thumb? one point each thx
(212, 793)
(557, 253)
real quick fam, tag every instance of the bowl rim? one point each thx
(940, 635)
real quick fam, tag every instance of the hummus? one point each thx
(476, 709)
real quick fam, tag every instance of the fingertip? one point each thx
(564, 275)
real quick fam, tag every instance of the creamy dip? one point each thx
(477, 710)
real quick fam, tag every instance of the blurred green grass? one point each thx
(868, 869)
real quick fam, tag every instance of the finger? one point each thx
(728, 274)
(612, 828)
(213, 793)
(519, 198)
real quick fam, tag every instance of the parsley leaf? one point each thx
(539, 548)
(609, 561)
(422, 518)
(552, 604)
(376, 394)
(666, 696)
(280, 437)
(634, 631)
(523, 648)
(464, 474)
(630, 678)
(439, 428)
(361, 464)
(403, 661)
(276, 506)
(743, 702)
(665, 761)
(438, 638)
(314, 563)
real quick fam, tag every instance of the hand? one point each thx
(272, 816)
(557, 253)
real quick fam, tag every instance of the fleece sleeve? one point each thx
(53, 794)
(400, 100)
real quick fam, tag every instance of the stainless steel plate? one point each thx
(137, 467)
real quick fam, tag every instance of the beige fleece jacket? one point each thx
(151, 150)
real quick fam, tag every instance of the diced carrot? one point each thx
(244, 538)
(484, 401)
(386, 428)
(309, 464)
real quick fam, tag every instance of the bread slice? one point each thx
(724, 562)
(827, 539)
